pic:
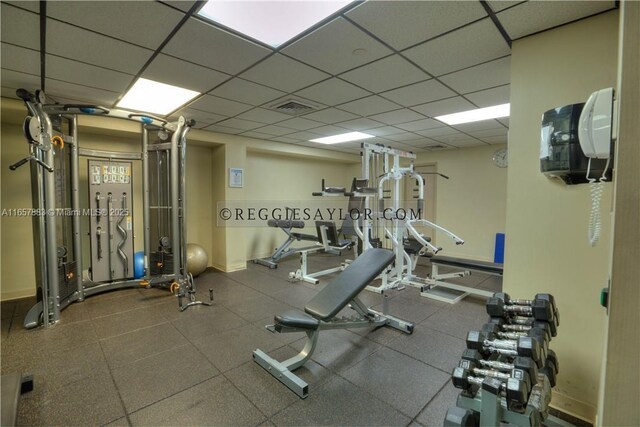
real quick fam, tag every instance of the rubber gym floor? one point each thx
(130, 357)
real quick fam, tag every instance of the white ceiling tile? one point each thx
(300, 123)
(303, 135)
(255, 134)
(488, 97)
(82, 45)
(384, 131)
(143, 23)
(283, 73)
(385, 74)
(471, 45)
(369, 105)
(464, 143)
(420, 125)
(453, 137)
(504, 121)
(88, 75)
(420, 142)
(166, 69)
(501, 139)
(336, 47)
(489, 74)
(284, 139)
(20, 59)
(398, 116)
(360, 124)
(16, 80)
(534, 16)
(407, 136)
(501, 131)
(441, 131)
(202, 118)
(273, 130)
(247, 92)
(445, 106)
(183, 5)
(82, 93)
(498, 5)
(240, 124)
(329, 130)
(401, 146)
(212, 47)
(19, 27)
(330, 115)
(477, 126)
(263, 115)
(223, 129)
(332, 92)
(404, 23)
(419, 93)
(213, 104)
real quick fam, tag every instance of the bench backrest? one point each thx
(337, 294)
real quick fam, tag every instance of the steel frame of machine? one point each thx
(44, 131)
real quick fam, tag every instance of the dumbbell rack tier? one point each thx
(507, 372)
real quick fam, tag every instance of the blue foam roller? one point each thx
(138, 265)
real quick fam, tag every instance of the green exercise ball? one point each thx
(197, 259)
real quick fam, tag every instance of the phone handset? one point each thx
(594, 133)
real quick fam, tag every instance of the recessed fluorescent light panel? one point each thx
(271, 22)
(155, 97)
(343, 137)
(476, 115)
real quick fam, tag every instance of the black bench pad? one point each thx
(285, 223)
(490, 267)
(337, 294)
(296, 319)
(301, 236)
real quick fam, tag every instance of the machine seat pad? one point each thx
(337, 294)
(334, 190)
(412, 246)
(491, 267)
(296, 319)
(285, 223)
(301, 236)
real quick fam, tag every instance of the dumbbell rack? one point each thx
(482, 402)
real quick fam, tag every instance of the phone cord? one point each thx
(596, 187)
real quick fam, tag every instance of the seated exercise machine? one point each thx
(438, 288)
(64, 223)
(320, 314)
(283, 251)
(329, 240)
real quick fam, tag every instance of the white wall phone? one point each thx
(595, 136)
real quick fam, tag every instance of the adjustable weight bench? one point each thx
(284, 250)
(320, 313)
(441, 290)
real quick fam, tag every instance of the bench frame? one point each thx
(326, 245)
(364, 318)
(435, 286)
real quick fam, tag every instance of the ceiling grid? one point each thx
(382, 67)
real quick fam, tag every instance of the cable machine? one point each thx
(51, 131)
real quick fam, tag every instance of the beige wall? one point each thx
(472, 203)
(289, 182)
(18, 275)
(547, 248)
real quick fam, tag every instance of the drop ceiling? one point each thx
(382, 67)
